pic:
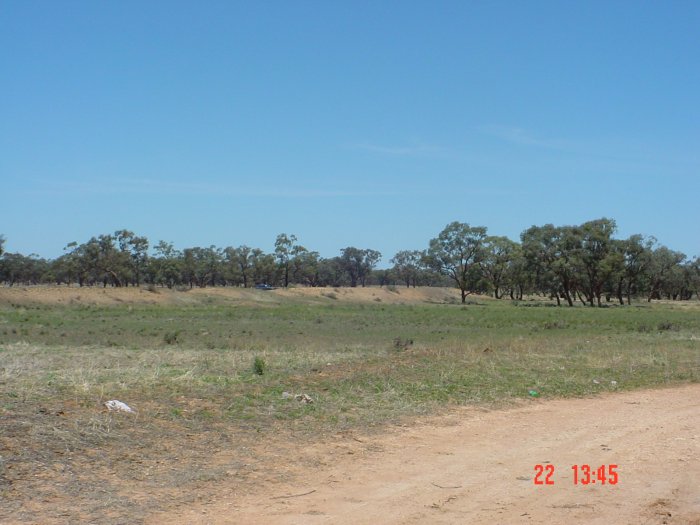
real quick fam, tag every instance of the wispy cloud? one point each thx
(149, 186)
(521, 136)
(610, 153)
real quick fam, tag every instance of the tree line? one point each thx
(571, 264)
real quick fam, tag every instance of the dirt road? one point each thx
(478, 467)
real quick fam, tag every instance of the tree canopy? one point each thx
(571, 264)
(457, 252)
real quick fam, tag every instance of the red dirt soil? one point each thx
(477, 466)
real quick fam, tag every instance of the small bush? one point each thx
(330, 295)
(259, 365)
(668, 326)
(402, 344)
(171, 338)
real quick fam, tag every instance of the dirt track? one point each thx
(478, 466)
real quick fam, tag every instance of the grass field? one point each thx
(207, 378)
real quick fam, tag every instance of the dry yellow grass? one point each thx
(98, 296)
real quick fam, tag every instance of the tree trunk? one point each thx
(580, 298)
(567, 295)
(619, 293)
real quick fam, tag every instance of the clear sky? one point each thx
(369, 124)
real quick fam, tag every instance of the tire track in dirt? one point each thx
(477, 467)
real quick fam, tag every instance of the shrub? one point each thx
(259, 365)
(171, 338)
(402, 344)
(666, 326)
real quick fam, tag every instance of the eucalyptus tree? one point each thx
(551, 254)
(231, 269)
(202, 266)
(117, 259)
(660, 271)
(331, 272)
(594, 255)
(499, 254)
(369, 261)
(241, 262)
(635, 253)
(693, 269)
(680, 281)
(264, 269)
(167, 265)
(351, 260)
(285, 251)
(676, 286)
(136, 250)
(75, 264)
(305, 267)
(457, 252)
(64, 270)
(16, 268)
(98, 260)
(518, 279)
(358, 263)
(408, 265)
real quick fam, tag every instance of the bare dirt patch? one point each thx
(374, 294)
(477, 466)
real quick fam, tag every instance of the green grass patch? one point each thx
(363, 362)
(208, 377)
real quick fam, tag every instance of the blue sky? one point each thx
(368, 124)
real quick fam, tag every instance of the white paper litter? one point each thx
(118, 405)
(304, 398)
